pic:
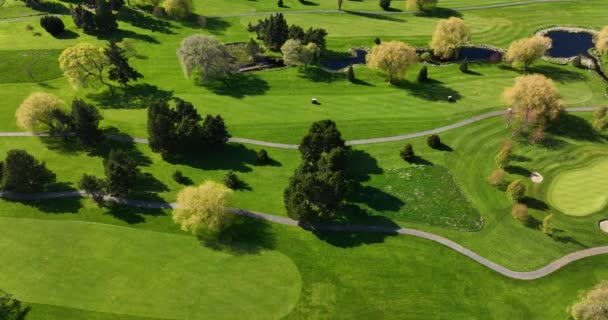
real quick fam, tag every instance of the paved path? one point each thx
(530, 275)
(295, 146)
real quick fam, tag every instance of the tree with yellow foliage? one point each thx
(84, 65)
(534, 100)
(450, 35)
(592, 305)
(202, 210)
(420, 5)
(393, 58)
(178, 8)
(601, 41)
(41, 111)
(524, 51)
(294, 53)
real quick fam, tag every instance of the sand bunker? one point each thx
(536, 177)
(604, 225)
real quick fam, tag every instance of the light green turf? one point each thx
(581, 192)
(120, 270)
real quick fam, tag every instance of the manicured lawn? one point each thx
(580, 192)
(29, 65)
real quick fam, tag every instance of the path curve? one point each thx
(529, 275)
(295, 146)
(252, 14)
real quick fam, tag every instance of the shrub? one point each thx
(280, 4)
(377, 41)
(29, 28)
(546, 226)
(350, 74)
(52, 25)
(498, 178)
(385, 4)
(262, 157)
(423, 75)
(178, 176)
(426, 56)
(231, 180)
(433, 141)
(407, 153)
(464, 66)
(577, 62)
(519, 211)
(93, 186)
(516, 190)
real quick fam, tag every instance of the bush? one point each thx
(350, 74)
(52, 25)
(231, 180)
(262, 157)
(385, 4)
(423, 75)
(377, 41)
(93, 186)
(464, 66)
(498, 178)
(407, 154)
(577, 62)
(426, 56)
(516, 190)
(178, 176)
(280, 4)
(433, 141)
(519, 211)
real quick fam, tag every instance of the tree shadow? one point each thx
(376, 16)
(559, 235)
(573, 127)
(417, 160)
(316, 74)
(375, 198)
(532, 223)
(215, 26)
(472, 73)
(235, 157)
(535, 204)
(558, 74)
(518, 171)
(552, 143)
(140, 20)
(147, 187)
(439, 12)
(120, 34)
(362, 83)
(445, 148)
(69, 205)
(240, 86)
(245, 236)
(53, 8)
(67, 34)
(431, 90)
(129, 214)
(519, 158)
(361, 165)
(308, 3)
(138, 96)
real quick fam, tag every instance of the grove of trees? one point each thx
(295, 53)
(449, 36)
(21, 172)
(392, 58)
(274, 31)
(525, 51)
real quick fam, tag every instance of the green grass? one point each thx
(29, 65)
(106, 268)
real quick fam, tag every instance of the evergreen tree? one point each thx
(11, 308)
(117, 4)
(21, 172)
(161, 127)
(273, 31)
(296, 32)
(464, 66)
(120, 70)
(350, 74)
(188, 130)
(85, 122)
(214, 132)
(106, 20)
(323, 136)
(423, 75)
(84, 20)
(316, 36)
(121, 173)
(252, 49)
(407, 154)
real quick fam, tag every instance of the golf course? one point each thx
(343, 193)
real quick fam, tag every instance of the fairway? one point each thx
(105, 268)
(581, 192)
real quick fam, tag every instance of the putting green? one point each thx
(122, 270)
(582, 191)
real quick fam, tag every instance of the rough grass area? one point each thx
(29, 65)
(429, 195)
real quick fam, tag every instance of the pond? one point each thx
(479, 54)
(569, 44)
(340, 64)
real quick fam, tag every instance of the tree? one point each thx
(252, 49)
(106, 20)
(407, 154)
(116, 5)
(546, 226)
(11, 308)
(420, 5)
(294, 53)
(323, 136)
(423, 75)
(385, 4)
(534, 100)
(84, 65)
(93, 186)
(340, 5)
(203, 210)
(85, 122)
(214, 132)
(262, 157)
(503, 157)
(433, 141)
(524, 51)
(600, 123)
(161, 127)
(178, 8)
(280, 4)
(273, 31)
(449, 36)
(188, 130)
(516, 190)
(121, 173)
(316, 36)
(231, 180)
(601, 41)
(52, 25)
(34, 4)
(21, 172)
(208, 57)
(393, 58)
(498, 178)
(464, 66)
(84, 19)
(120, 70)
(593, 305)
(350, 74)
(41, 111)
(519, 211)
